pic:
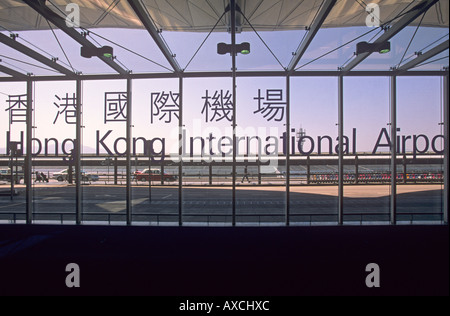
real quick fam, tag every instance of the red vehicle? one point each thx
(155, 176)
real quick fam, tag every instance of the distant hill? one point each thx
(51, 150)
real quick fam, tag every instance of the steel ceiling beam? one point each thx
(404, 21)
(244, 74)
(424, 57)
(12, 72)
(315, 27)
(59, 22)
(147, 21)
(8, 41)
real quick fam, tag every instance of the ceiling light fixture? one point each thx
(243, 48)
(364, 47)
(105, 51)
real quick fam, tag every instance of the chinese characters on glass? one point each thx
(218, 107)
(116, 107)
(67, 106)
(274, 107)
(17, 108)
(164, 105)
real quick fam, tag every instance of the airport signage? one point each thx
(216, 106)
(215, 147)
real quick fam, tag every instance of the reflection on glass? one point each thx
(104, 150)
(261, 117)
(207, 151)
(421, 145)
(313, 164)
(13, 100)
(53, 172)
(208, 172)
(367, 171)
(156, 113)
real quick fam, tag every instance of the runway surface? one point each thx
(214, 204)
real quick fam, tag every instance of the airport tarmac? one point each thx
(203, 204)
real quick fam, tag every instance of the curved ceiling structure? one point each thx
(202, 15)
(306, 17)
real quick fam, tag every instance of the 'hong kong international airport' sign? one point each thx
(217, 106)
(223, 146)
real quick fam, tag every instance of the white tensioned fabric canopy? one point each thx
(202, 15)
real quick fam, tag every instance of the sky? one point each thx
(313, 100)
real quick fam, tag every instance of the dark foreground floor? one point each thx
(413, 260)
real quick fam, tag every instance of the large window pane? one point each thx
(420, 118)
(367, 170)
(261, 117)
(207, 142)
(52, 147)
(156, 112)
(104, 151)
(12, 129)
(314, 163)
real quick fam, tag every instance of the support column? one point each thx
(288, 149)
(180, 153)
(341, 151)
(446, 148)
(116, 170)
(233, 57)
(393, 208)
(78, 192)
(259, 172)
(28, 158)
(210, 173)
(308, 170)
(128, 162)
(150, 157)
(405, 169)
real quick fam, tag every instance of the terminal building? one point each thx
(212, 114)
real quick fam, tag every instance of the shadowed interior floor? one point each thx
(182, 261)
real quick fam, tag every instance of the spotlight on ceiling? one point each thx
(105, 51)
(243, 48)
(364, 47)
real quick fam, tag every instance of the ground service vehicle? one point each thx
(155, 175)
(63, 175)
